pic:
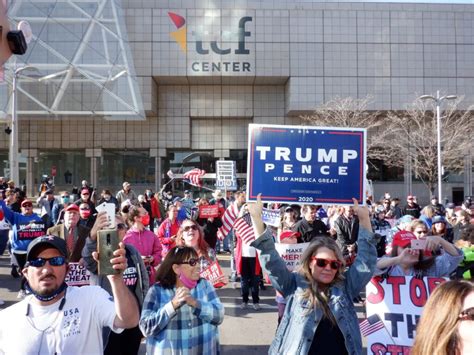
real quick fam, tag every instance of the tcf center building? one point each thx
(199, 71)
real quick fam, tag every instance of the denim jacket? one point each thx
(298, 326)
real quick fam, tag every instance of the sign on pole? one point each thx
(395, 304)
(226, 175)
(303, 164)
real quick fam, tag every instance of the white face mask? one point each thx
(106, 197)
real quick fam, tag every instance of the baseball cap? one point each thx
(438, 219)
(403, 239)
(48, 240)
(187, 192)
(72, 208)
(289, 234)
(26, 202)
(176, 199)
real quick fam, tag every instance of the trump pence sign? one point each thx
(305, 164)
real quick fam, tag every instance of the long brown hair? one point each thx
(436, 333)
(313, 294)
(203, 247)
(165, 275)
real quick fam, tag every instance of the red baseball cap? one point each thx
(72, 208)
(26, 202)
(403, 239)
(289, 234)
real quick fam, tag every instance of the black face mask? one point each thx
(49, 297)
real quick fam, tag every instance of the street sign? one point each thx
(226, 176)
(53, 170)
(306, 165)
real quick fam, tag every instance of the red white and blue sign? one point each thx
(306, 164)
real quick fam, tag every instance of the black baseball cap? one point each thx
(49, 240)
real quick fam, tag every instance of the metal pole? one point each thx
(14, 174)
(438, 128)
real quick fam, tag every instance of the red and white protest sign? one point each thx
(291, 253)
(208, 211)
(394, 307)
(78, 275)
(212, 274)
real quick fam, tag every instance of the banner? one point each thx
(271, 217)
(212, 274)
(208, 211)
(78, 275)
(398, 303)
(291, 253)
(307, 165)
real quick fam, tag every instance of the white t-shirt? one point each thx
(28, 328)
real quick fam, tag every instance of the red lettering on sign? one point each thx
(418, 294)
(433, 282)
(377, 297)
(396, 281)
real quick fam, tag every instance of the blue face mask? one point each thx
(65, 199)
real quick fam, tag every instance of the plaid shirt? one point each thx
(186, 330)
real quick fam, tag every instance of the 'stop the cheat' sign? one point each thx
(306, 165)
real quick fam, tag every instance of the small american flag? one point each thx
(243, 226)
(194, 176)
(170, 174)
(371, 325)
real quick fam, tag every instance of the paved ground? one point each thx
(246, 332)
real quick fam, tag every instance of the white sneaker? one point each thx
(21, 294)
(243, 305)
(256, 306)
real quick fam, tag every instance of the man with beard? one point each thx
(59, 319)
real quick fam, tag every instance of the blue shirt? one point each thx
(186, 330)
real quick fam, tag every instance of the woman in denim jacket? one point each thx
(319, 317)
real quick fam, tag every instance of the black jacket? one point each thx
(346, 231)
(412, 210)
(309, 230)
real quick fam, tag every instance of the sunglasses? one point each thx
(190, 262)
(85, 209)
(54, 261)
(467, 314)
(85, 194)
(191, 227)
(320, 262)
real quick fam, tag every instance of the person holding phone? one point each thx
(60, 319)
(135, 277)
(144, 240)
(409, 258)
(319, 317)
(182, 311)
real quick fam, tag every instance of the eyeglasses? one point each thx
(420, 232)
(54, 261)
(190, 262)
(122, 226)
(85, 209)
(320, 262)
(467, 314)
(65, 196)
(191, 227)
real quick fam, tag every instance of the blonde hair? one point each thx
(436, 333)
(313, 294)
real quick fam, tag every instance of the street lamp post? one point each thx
(438, 100)
(14, 168)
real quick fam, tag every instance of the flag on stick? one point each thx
(243, 226)
(371, 325)
(170, 174)
(193, 177)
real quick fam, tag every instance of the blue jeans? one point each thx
(3, 240)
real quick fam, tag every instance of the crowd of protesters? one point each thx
(165, 245)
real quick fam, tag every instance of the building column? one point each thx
(94, 154)
(468, 175)
(158, 154)
(407, 175)
(31, 155)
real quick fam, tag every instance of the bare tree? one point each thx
(396, 136)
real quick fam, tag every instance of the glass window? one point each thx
(5, 170)
(71, 167)
(117, 166)
(240, 158)
(378, 171)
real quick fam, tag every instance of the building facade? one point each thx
(205, 69)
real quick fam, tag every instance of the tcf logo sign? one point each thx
(180, 36)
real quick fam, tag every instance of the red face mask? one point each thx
(145, 219)
(85, 213)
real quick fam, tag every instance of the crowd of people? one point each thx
(165, 244)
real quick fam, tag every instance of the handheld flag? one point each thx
(371, 325)
(193, 176)
(244, 228)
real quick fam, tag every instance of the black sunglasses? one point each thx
(190, 262)
(467, 314)
(54, 261)
(191, 227)
(334, 264)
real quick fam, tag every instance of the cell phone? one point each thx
(418, 244)
(107, 243)
(109, 208)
